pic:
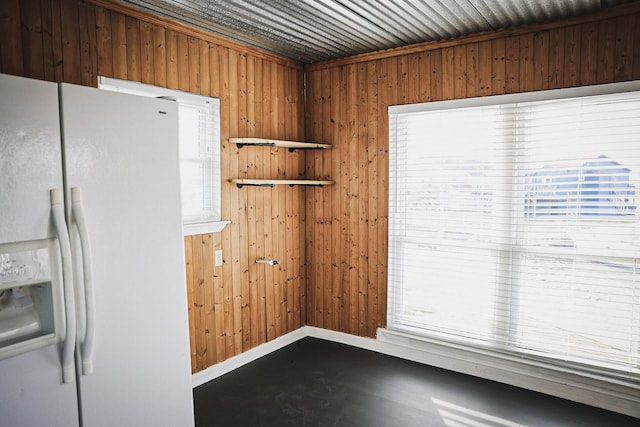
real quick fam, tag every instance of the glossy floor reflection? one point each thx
(320, 383)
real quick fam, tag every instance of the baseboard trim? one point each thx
(590, 391)
(248, 356)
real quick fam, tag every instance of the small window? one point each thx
(199, 133)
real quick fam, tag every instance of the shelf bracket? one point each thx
(259, 144)
(240, 185)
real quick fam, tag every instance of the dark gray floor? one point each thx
(320, 383)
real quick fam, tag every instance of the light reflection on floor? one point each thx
(459, 416)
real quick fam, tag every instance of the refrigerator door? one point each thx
(30, 157)
(121, 151)
(31, 389)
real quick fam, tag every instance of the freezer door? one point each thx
(121, 151)
(30, 157)
(31, 389)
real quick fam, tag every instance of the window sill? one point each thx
(204, 227)
(591, 389)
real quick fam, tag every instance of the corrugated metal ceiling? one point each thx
(311, 31)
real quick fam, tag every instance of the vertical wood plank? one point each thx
(498, 68)
(218, 306)
(205, 77)
(119, 45)
(227, 152)
(351, 188)
(223, 279)
(413, 78)
(261, 320)
(472, 71)
(33, 53)
(341, 285)
(252, 236)
(373, 116)
(387, 96)
(70, 42)
(147, 65)
(299, 218)
(199, 299)
(314, 243)
(11, 57)
(325, 202)
(313, 133)
(541, 73)
(172, 78)
(207, 295)
(606, 51)
(448, 73)
(423, 74)
(236, 204)
(267, 198)
(636, 51)
(332, 288)
(214, 74)
(485, 63)
(525, 66)
(512, 64)
(48, 40)
(159, 56)
(104, 48)
(193, 56)
(190, 302)
(243, 208)
(589, 53)
(436, 75)
(556, 58)
(459, 75)
(279, 209)
(184, 72)
(361, 195)
(88, 53)
(572, 56)
(133, 49)
(624, 45)
(403, 79)
(300, 293)
(57, 40)
(291, 214)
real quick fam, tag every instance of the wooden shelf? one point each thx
(272, 182)
(291, 145)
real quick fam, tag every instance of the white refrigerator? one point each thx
(93, 307)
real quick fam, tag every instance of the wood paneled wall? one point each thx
(241, 304)
(346, 105)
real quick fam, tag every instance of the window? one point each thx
(199, 134)
(514, 225)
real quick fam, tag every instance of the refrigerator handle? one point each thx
(57, 212)
(86, 349)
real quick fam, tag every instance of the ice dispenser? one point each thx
(30, 297)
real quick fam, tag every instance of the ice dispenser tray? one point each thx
(28, 297)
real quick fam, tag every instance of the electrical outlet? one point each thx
(218, 258)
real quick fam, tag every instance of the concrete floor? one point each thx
(320, 383)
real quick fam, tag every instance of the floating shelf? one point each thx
(272, 182)
(291, 145)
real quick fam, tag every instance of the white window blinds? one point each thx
(514, 225)
(199, 160)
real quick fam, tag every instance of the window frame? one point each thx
(395, 251)
(196, 225)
